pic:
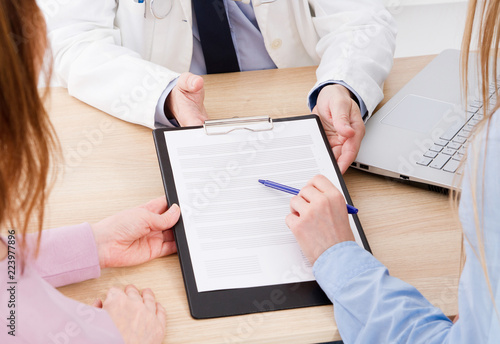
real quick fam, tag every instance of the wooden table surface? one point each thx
(110, 165)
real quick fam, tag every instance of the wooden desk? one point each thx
(111, 165)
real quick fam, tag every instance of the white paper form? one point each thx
(235, 226)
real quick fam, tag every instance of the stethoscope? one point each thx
(165, 12)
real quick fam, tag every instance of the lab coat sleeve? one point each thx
(91, 62)
(356, 45)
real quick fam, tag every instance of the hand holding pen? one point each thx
(294, 191)
(318, 217)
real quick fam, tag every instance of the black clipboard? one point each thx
(230, 302)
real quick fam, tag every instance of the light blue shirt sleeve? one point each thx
(161, 119)
(371, 306)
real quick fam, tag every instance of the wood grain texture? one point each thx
(111, 165)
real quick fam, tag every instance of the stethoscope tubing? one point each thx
(155, 13)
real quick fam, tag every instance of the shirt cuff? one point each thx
(342, 262)
(313, 96)
(67, 255)
(161, 119)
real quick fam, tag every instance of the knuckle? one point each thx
(337, 198)
(321, 177)
(113, 291)
(307, 215)
(148, 292)
(305, 189)
(323, 201)
(130, 286)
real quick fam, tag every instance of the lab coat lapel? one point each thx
(186, 6)
(261, 13)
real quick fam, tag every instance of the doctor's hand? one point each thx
(342, 122)
(185, 101)
(319, 217)
(136, 235)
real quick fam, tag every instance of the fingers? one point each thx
(350, 148)
(321, 183)
(166, 220)
(298, 204)
(341, 117)
(309, 192)
(347, 155)
(137, 315)
(132, 292)
(157, 205)
(196, 83)
(343, 123)
(189, 82)
(168, 248)
(113, 295)
(149, 299)
(185, 102)
(335, 102)
(198, 116)
(291, 220)
(161, 314)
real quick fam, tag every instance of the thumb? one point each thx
(166, 220)
(342, 124)
(190, 82)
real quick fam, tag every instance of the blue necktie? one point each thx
(215, 36)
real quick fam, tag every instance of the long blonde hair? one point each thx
(483, 21)
(27, 138)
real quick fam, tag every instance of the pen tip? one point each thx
(261, 181)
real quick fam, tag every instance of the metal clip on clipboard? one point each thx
(224, 126)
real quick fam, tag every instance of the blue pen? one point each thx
(294, 191)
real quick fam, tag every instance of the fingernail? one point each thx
(193, 81)
(174, 208)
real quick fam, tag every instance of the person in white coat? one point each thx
(132, 58)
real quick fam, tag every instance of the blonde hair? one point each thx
(483, 21)
(27, 138)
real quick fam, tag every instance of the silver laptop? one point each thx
(421, 133)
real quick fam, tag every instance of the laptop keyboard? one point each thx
(447, 151)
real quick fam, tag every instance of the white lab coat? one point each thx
(115, 56)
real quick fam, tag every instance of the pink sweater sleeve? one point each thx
(39, 312)
(67, 255)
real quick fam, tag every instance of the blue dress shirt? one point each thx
(250, 50)
(373, 307)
